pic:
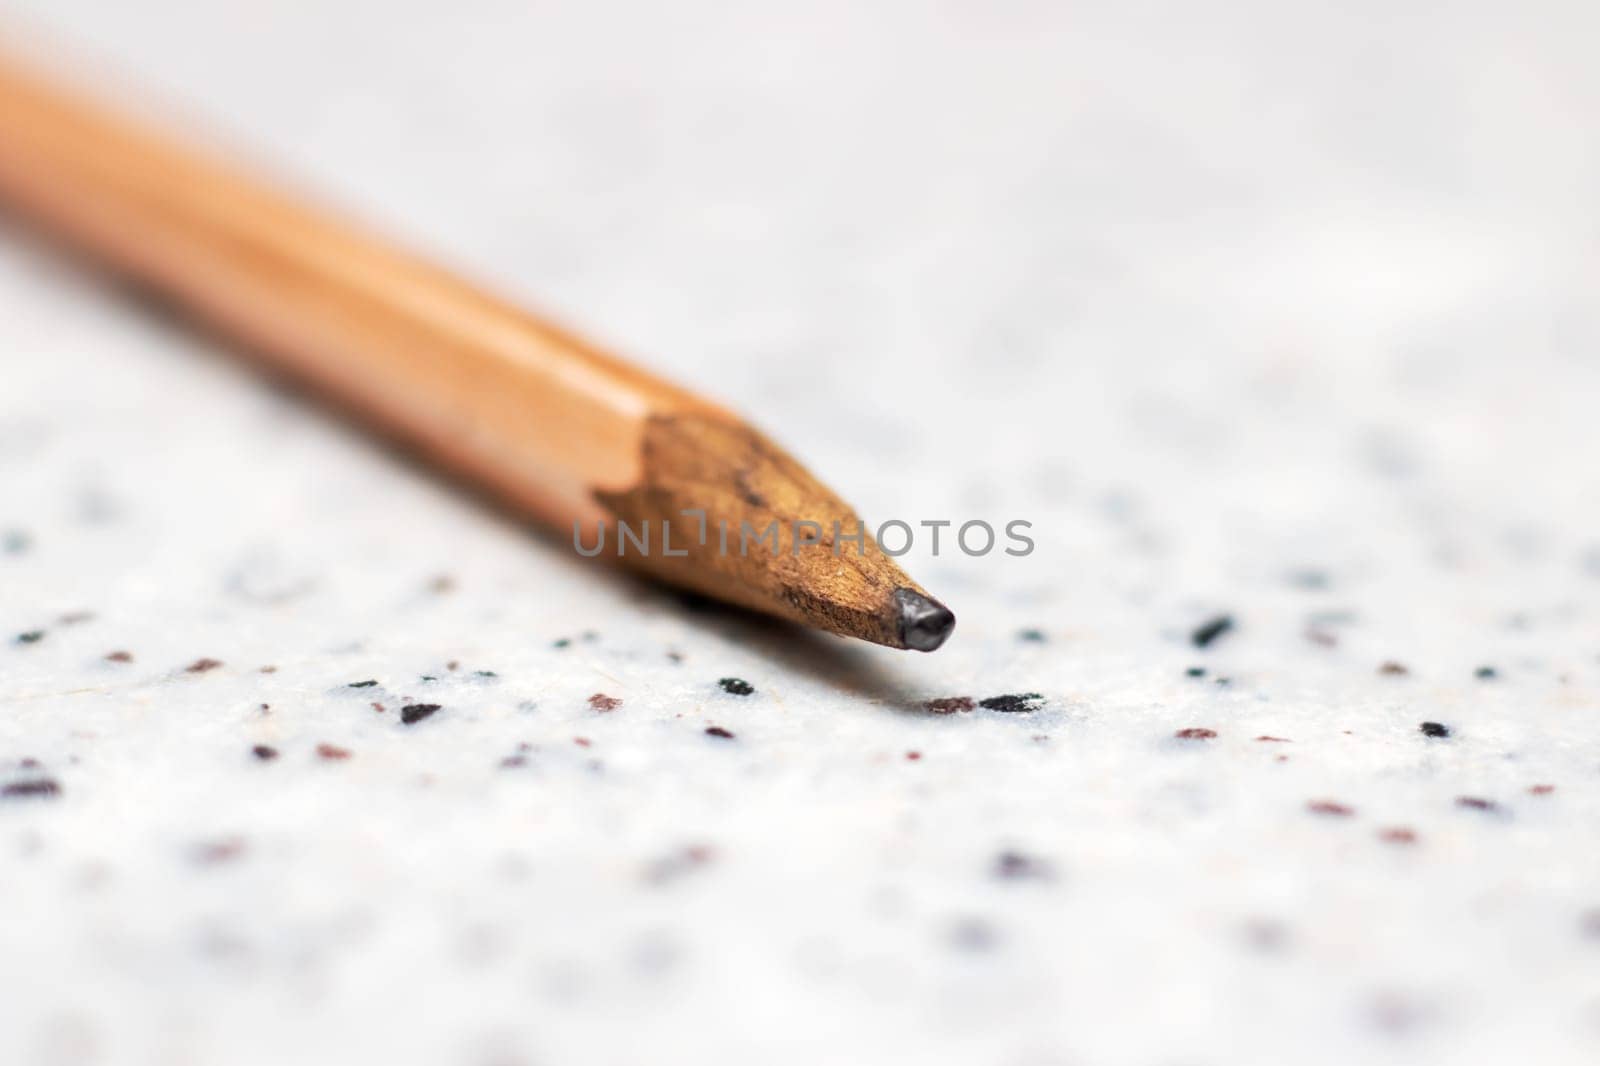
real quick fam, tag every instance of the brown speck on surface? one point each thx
(1266, 934)
(213, 852)
(119, 657)
(1393, 669)
(1196, 733)
(380, 708)
(1476, 803)
(264, 752)
(1397, 834)
(76, 618)
(1540, 790)
(412, 713)
(1332, 808)
(1322, 637)
(200, 666)
(675, 656)
(1207, 632)
(442, 584)
(332, 752)
(582, 742)
(675, 865)
(269, 669)
(718, 731)
(453, 665)
(913, 756)
(1395, 1014)
(973, 934)
(1021, 703)
(1264, 738)
(1589, 923)
(35, 788)
(603, 703)
(1434, 729)
(1018, 866)
(949, 704)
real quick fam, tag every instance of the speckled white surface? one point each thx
(1287, 311)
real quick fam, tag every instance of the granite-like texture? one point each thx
(1283, 311)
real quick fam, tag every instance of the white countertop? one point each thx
(1285, 314)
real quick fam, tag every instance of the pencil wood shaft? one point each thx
(557, 429)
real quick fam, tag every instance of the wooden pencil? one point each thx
(558, 430)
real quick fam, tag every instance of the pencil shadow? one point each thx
(844, 665)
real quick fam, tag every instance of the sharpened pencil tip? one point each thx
(924, 622)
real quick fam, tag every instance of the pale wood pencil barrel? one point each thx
(544, 421)
(509, 399)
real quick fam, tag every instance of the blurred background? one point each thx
(1280, 311)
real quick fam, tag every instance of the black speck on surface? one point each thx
(412, 713)
(1020, 703)
(484, 673)
(1486, 673)
(429, 677)
(1209, 631)
(736, 686)
(1196, 671)
(264, 752)
(362, 684)
(15, 541)
(1031, 636)
(564, 642)
(32, 636)
(1434, 729)
(37, 788)
(1308, 578)
(718, 731)
(1017, 866)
